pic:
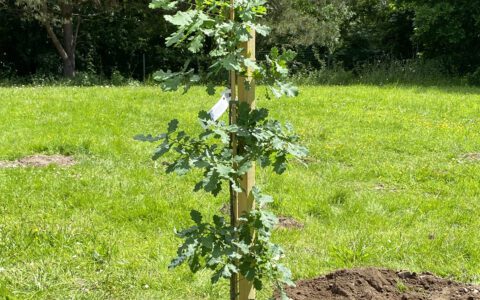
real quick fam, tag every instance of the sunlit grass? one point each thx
(387, 185)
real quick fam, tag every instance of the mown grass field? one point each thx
(388, 184)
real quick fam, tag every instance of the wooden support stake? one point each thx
(245, 201)
(241, 203)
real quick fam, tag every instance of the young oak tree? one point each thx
(227, 152)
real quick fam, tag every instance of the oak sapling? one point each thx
(228, 248)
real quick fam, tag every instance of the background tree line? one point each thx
(62, 37)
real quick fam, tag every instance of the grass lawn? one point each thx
(388, 185)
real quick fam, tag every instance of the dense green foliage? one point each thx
(448, 30)
(389, 183)
(264, 140)
(325, 33)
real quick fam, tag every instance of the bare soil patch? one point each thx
(283, 222)
(383, 188)
(225, 209)
(376, 284)
(288, 223)
(39, 161)
(470, 157)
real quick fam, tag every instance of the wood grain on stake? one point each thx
(241, 203)
(246, 94)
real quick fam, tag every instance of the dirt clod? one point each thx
(406, 274)
(39, 161)
(376, 284)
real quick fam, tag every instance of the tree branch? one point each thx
(55, 41)
(45, 21)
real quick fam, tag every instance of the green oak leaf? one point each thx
(181, 18)
(196, 216)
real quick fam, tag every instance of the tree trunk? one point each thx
(69, 67)
(68, 40)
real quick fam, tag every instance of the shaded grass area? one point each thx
(387, 185)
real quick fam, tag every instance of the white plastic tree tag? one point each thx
(221, 106)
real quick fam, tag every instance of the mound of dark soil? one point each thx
(379, 284)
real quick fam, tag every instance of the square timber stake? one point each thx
(241, 203)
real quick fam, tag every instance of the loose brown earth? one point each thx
(470, 157)
(283, 222)
(39, 161)
(288, 223)
(379, 284)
